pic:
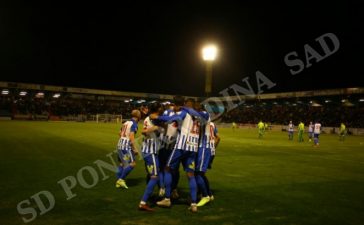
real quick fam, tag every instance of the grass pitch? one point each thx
(255, 181)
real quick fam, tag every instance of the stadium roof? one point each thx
(296, 94)
(84, 90)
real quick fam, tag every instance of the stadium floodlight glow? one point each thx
(361, 100)
(5, 92)
(344, 100)
(39, 95)
(23, 93)
(311, 102)
(209, 53)
(57, 95)
(327, 101)
(126, 101)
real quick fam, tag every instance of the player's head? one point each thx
(144, 110)
(178, 100)
(136, 114)
(202, 107)
(190, 103)
(198, 106)
(171, 106)
(155, 107)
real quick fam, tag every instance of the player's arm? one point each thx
(150, 129)
(121, 131)
(132, 142)
(217, 140)
(194, 113)
(205, 116)
(166, 118)
(133, 130)
(217, 137)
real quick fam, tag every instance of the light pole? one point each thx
(209, 54)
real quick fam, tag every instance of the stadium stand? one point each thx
(45, 102)
(328, 113)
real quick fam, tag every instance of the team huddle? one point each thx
(182, 134)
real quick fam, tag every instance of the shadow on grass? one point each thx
(132, 182)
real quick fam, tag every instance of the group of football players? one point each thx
(181, 134)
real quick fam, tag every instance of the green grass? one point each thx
(268, 181)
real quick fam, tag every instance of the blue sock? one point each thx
(175, 179)
(161, 180)
(147, 178)
(316, 141)
(201, 185)
(119, 172)
(168, 183)
(126, 171)
(149, 189)
(207, 185)
(193, 188)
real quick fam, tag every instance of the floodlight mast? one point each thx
(209, 54)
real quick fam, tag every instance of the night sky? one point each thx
(157, 47)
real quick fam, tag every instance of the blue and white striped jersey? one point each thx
(213, 132)
(151, 140)
(127, 128)
(189, 133)
(168, 137)
(204, 140)
(188, 129)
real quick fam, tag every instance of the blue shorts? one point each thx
(310, 134)
(126, 156)
(186, 157)
(151, 164)
(316, 135)
(203, 159)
